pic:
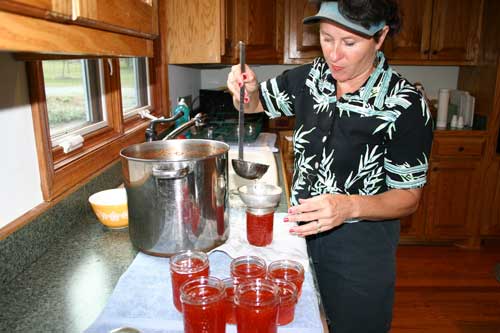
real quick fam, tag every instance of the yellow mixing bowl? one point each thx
(110, 206)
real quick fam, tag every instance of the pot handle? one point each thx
(159, 172)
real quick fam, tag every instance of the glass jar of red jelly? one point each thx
(248, 267)
(184, 266)
(290, 270)
(229, 307)
(288, 299)
(257, 304)
(260, 226)
(203, 305)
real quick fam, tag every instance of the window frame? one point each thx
(62, 173)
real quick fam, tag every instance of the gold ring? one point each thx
(318, 226)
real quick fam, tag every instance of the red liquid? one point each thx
(289, 274)
(220, 220)
(257, 319)
(206, 318)
(260, 229)
(179, 278)
(229, 306)
(245, 271)
(286, 311)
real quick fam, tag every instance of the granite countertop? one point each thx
(67, 288)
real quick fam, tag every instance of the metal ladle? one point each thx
(245, 169)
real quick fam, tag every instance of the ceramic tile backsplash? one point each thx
(23, 247)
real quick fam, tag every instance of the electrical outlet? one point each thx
(188, 99)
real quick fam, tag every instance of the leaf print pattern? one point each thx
(367, 163)
(333, 151)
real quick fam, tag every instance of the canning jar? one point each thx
(202, 301)
(286, 269)
(248, 267)
(229, 306)
(288, 299)
(257, 302)
(260, 226)
(184, 266)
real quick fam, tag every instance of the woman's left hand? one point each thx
(323, 212)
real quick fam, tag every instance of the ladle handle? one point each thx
(241, 119)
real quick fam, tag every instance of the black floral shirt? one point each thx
(365, 143)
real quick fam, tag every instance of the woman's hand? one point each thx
(235, 80)
(323, 212)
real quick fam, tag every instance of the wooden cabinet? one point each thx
(134, 17)
(57, 10)
(208, 31)
(301, 41)
(433, 32)
(437, 31)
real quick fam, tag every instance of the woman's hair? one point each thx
(369, 12)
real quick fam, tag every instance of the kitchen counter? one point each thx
(67, 288)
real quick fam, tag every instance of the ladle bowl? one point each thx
(249, 170)
(260, 195)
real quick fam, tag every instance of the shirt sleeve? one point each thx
(409, 143)
(277, 95)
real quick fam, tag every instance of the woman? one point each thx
(361, 144)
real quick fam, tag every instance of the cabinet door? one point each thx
(301, 41)
(413, 226)
(455, 29)
(58, 10)
(135, 17)
(453, 191)
(490, 209)
(256, 25)
(412, 42)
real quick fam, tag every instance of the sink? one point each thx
(235, 181)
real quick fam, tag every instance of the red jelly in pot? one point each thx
(185, 266)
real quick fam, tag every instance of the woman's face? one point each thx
(348, 55)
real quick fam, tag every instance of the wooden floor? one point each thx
(445, 289)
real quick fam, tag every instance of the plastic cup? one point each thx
(257, 304)
(248, 267)
(288, 300)
(203, 305)
(260, 226)
(185, 266)
(289, 270)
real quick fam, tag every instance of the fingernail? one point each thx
(240, 84)
(246, 100)
(292, 231)
(290, 211)
(285, 219)
(244, 75)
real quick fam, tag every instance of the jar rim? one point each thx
(177, 262)
(257, 285)
(202, 282)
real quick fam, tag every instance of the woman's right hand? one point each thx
(235, 80)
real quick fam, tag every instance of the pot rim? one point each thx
(123, 153)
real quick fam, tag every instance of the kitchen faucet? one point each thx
(151, 134)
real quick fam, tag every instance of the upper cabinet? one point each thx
(433, 32)
(437, 32)
(208, 31)
(57, 10)
(134, 17)
(91, 27)
(301, 41)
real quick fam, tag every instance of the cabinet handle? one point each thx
(461, 148)
(426, 51)
(434, 52)
(435, 169)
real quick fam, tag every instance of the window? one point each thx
(134, 82)
(73, 91)
(94, 100)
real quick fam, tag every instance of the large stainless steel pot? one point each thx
(177, 196)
